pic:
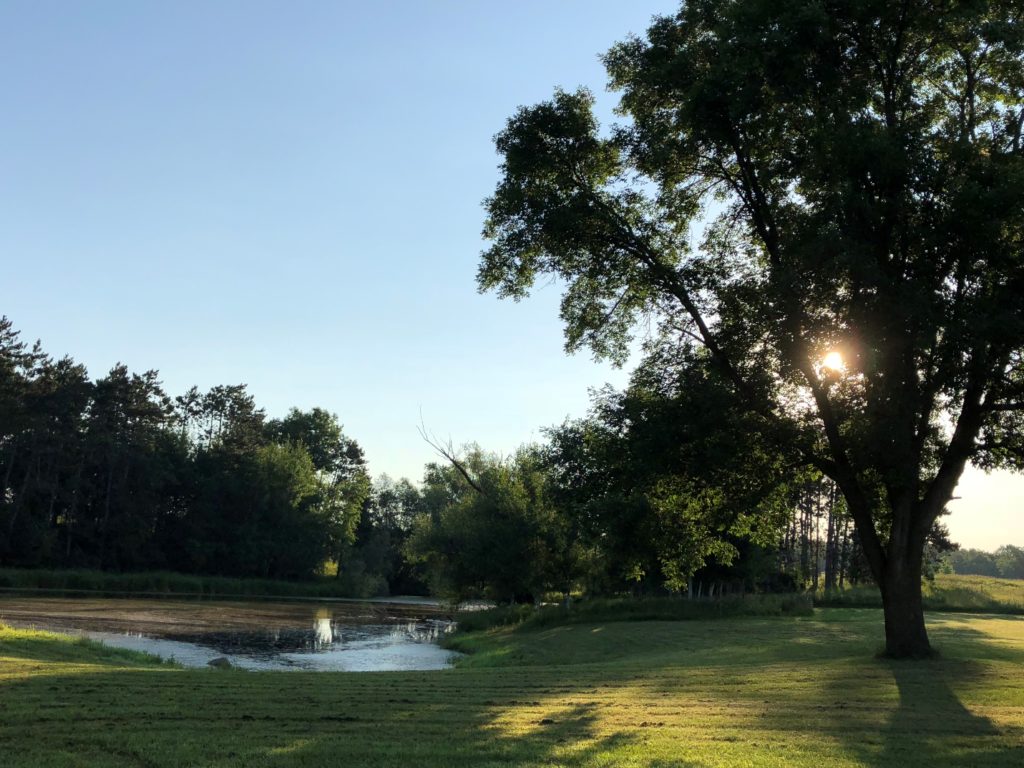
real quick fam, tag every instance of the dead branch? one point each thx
(447, 451)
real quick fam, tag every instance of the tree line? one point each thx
(660, 489)
(1006, 562)
(113, 473)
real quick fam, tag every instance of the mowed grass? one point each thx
(786, 691)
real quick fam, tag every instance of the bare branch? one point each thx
(447, 451)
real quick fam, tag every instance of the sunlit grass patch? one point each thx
(984, 591)
(755, 691)
(33, 645)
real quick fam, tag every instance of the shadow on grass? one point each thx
(927, 722)
(567, 737)
(803, 687)
(931, 725)
(285, 719)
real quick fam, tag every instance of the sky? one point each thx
(289, 195)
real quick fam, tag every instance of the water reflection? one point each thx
(259, 635)
(322, 629)
(325, 644)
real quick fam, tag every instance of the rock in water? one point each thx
(220, 662)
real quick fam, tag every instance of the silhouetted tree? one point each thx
(861, 167)
(113, 474)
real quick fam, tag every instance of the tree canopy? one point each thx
(114, 474)
(488, 527)
(790, 181)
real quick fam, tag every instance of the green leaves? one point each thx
(501, 537)
(564, 208)
(856, 170)
(115, 474)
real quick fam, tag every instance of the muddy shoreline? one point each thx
(323, 635)
(176, 616)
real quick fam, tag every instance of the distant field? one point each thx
(963, 589)
(948, 592)
(785, 691)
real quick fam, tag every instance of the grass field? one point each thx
(947, 592)
(590, 610)
(786, 691)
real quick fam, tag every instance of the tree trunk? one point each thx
(55, 484)
(10, 466)
(19, 499)
(844, 553)
(900, 583)
(896, 568)
(72, 511)
(905, 634)
(830, 546)
(106, 515)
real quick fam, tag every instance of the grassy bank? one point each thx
(163, 583)
(57, 648)
(786, 691)
(972, 594)
(948, 592)
(631, 609)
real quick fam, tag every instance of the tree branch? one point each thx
(448, 453)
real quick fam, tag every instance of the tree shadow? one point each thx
(930, 724)
(815, 687)
(569, 736)
(104, 716)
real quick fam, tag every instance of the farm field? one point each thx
(788, 691)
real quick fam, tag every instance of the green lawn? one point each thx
(803, 691)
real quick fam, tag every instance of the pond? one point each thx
(297, 635)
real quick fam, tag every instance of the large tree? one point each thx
(857, 172)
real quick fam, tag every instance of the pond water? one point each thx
(320, 635)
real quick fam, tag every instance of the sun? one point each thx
(833, 361)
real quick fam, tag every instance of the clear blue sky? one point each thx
(288, 194)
